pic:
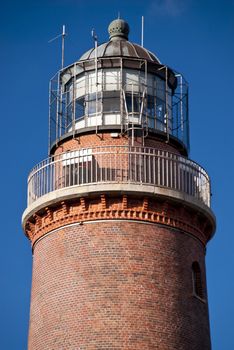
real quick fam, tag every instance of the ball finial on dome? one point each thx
(118, 29)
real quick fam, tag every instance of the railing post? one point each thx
(129, 164)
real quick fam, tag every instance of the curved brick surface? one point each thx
(117, 285)
(125, 207)
(105, 139)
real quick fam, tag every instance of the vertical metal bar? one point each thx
(47, 178)
(170, 170)
(156, 116)
(141, 166)
(60, 170)
(132, 116)
(166, 102)
(149, 162)
(39, 183)
(187, 121)
(174, 174)
(78, 168)
(74, 101)
(189, 179)
(86, 167)
(49, 133)
(60, 173)
(36, 184)
(67, 171)
(146, 99)
(74, 170)
(97, 165)
(178, 168)
(115, 165)
(177, 120)
(121, 95)
(86, 97)
(51, 174)
(101, 97)
(57, 108)
(96, 82)
(183, 179)
(129, 160)
(101, 165)
(60, 112)
(54, 175)
(37, 189)
(167, 170)
(159, 168)
(106, 166)
(44, 180)
(91, 166)
(41, 179)
(142, 31)
(181, 106)
(110, 166)
(144, 166)
(63, 43)
(82, 166)
(163, 168)
(137, 162)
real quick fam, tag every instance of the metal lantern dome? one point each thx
(119, 85)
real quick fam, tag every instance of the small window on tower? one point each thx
(197, 280)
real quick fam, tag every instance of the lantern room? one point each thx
(120, 86)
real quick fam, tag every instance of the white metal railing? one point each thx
(119, 164)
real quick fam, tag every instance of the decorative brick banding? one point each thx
(123, 207)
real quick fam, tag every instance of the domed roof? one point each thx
(119, 46)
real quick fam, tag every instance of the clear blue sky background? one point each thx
(196, 37)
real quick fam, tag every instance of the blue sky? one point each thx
(193, 36)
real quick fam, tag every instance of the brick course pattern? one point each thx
(105, 139)
(148, 209)
(114, 271)
(112, 285)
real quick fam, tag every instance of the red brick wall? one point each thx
(125, 207)
(117, 285)
(105, 139)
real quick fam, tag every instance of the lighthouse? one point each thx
(118, 215)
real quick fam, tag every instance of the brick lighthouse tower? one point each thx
(118, 215)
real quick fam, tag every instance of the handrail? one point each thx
(119, 164)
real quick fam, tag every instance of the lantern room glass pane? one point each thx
(111, 79)
(157, 106)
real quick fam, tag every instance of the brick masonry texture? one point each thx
(105, 139)
(112, 285)
(149, 209)
(114, 271)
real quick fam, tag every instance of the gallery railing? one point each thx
(119, 165)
